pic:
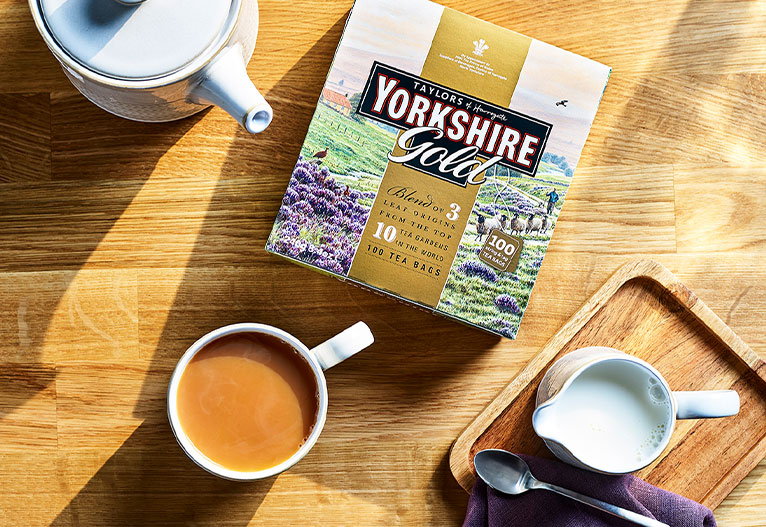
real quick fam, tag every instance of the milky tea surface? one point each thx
(614, 416)
(248, 401)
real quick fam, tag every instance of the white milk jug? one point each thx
(603, 410)
(158, 60)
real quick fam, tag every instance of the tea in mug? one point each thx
(248, 401)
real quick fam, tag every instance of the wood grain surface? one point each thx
(645, 311)
(122, 242)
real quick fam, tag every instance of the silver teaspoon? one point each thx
(509, 474)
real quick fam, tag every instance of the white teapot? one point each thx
(158, 60)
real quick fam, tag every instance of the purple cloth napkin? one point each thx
(541, 508)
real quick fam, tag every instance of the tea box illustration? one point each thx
(438, 159)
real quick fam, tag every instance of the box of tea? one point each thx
(438, 159)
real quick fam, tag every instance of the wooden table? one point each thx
(122, 242)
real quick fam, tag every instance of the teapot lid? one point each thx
(138, 39)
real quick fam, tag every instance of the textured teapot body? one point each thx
(180, 93)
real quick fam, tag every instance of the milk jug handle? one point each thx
(343, 345)
(696, 405)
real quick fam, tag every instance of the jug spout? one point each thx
(227, 85)
(544, 423)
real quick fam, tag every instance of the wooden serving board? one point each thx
(644, 310)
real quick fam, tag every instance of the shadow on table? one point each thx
(150, 481)
(229, 278)
(100, 163)
(77, 170)
(451, 494)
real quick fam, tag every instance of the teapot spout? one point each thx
(227, 85)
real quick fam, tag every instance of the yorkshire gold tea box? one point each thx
(438, 159)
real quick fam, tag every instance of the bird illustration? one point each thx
(321, 154)
(347, 192)
(562, 103)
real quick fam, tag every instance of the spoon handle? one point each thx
(606, 507)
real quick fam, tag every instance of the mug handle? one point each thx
(716, 403)
(343, 345)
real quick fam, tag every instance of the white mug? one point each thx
(320, 358)
(603, 410)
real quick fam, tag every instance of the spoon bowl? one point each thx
(503, 471)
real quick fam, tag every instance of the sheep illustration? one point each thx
(518, 225)
(547, 222)
(485, 226)
(536, 224)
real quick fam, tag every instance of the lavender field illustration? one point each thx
(331, 190)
